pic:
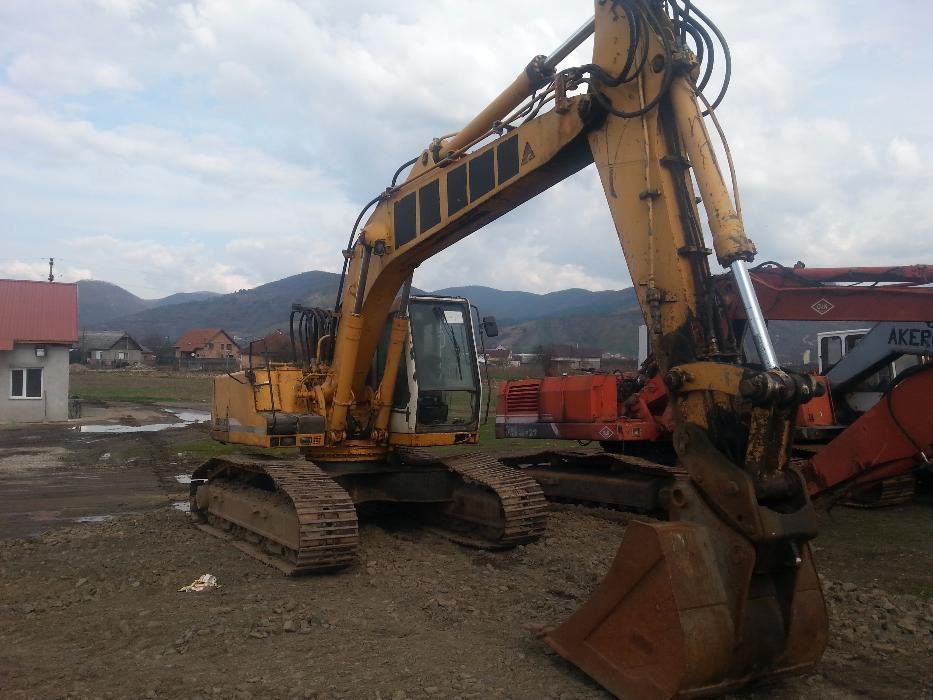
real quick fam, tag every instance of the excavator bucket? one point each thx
(668, 622)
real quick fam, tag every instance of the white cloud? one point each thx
(123, 8)
(906, 155)
(148, 261)
(63, 75)
(191, 144)
(34, 270)
(245, 245)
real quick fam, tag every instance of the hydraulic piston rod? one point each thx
(756, 319)
(540, 69)
(572, 42)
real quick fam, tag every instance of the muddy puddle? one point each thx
(184, 418)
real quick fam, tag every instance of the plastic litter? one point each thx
(202, 583)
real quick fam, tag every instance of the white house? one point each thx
(38, 325)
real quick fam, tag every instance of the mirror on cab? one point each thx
(490, 327)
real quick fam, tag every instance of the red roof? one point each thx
(277, 341)
(197, 338)
(38, 312)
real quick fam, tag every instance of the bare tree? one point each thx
(545, 355)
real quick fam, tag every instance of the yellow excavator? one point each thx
(723, 593)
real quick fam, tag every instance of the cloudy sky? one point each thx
(217, 144)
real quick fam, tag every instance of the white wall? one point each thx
(53, 405)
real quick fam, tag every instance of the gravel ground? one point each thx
(93, 609)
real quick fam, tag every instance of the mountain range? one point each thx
(605, 320)
(101, 301)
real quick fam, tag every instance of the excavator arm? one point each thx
(435, 208)
(727, 592)
(644, 158)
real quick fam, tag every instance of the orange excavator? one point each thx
(861, 440)
(723, 593)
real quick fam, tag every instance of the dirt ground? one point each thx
(93, 552)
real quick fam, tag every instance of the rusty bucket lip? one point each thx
(726, 686)
(594, 639)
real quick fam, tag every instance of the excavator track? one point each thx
(600, 478)
(498, 506)
(288, 514)
(892, 491)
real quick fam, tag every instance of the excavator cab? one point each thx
(437, 388)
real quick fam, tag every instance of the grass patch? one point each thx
(488, 441)
(140, 388)
(487, 438)
(206, 448)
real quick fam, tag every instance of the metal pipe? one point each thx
(565, 49)
(756, 319)
(291, 335)
(340, 383)
(406, 294)
(382, 402)
(914, 274)
(520, 89)
(361, 286)
(729, 240)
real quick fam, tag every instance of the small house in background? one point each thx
(150, 356)
(38, 326)
(275, 347)
(526, 358)
(110, 349)
(562, 358)
(207, 348)
(612, 361)
(499, 357)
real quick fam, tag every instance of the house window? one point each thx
(26, 383)
(121, 355)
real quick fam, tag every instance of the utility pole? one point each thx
(51, 274)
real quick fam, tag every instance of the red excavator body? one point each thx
(585, 407)
(871, 461)
(872, 454)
